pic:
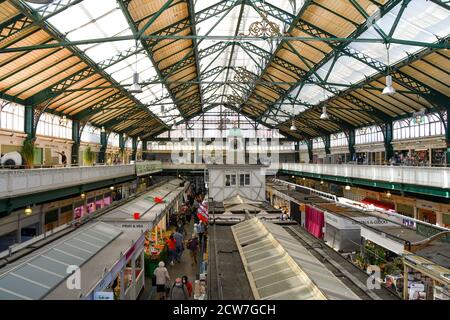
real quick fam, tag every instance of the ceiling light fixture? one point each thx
(28, 211)
(102, 130)
(389, 90)
(324, 115)
(136, 87)
(293, 127)
(388, 194)
(347, 187)
(63, 121)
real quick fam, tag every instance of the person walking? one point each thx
(193, 248)
(162, 277)
(63, 158)
(179, 291)
(201, 231)
(179, 238)
(188, 285)
(171, 249)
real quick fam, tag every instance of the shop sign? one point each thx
(409, 223)
(375, 222)
(103, 295)
(427, 205)
(134, 225)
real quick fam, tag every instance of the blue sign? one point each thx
(103, 295)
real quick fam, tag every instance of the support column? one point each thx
(76, 141)
(29, 122)
(309, 143)
(351, 144)
(447, 138)
(297, 152)
(388, 141)
(327, 144)
(104, 145)
(134, 148)
(144, 148)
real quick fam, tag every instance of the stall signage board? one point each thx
(131, 225)
(103, 295)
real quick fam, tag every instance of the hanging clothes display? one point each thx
(315, 221)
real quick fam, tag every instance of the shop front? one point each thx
(424, 279)
(126, 278)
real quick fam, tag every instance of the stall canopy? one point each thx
(279, 267)
(379, 204)
(146, 207)
(36, 277)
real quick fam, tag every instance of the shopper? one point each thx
(193, 248)
(179, 291)
(188, 285)
(201, 231)
(162, 277)
(179, 238)
(195, 230)
(171, 249)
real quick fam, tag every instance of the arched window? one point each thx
(12, 116)
(367, 135)
(338, 140)
(427, 125)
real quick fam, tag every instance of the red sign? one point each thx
(136, 216)
(158, 200)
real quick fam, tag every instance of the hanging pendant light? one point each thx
(324, 115)
(293, 128)
(102, 130)
(63, 121)
(389, 90)
(136, 87)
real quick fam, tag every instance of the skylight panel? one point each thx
(421, 21)
(348, 70)
(313, 94)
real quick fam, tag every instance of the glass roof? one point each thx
(422, 20)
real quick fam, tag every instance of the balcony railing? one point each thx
(21, 182)
(424, 176)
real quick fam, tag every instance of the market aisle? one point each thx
(184, 268)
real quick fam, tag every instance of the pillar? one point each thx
(121, 142)
(309, 143)
(351, 144)
(197, 152)
(134, 148)
(388, 140)
(144, 148)
(29, 123)
(297, 152)
(327, 144)
(76, 141)
(447, 138)
(103, 146)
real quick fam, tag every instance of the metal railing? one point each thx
(16, 182)
(426, 176)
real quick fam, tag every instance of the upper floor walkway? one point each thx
(20, 182)
(376, 175)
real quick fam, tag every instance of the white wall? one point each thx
(219, 191)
